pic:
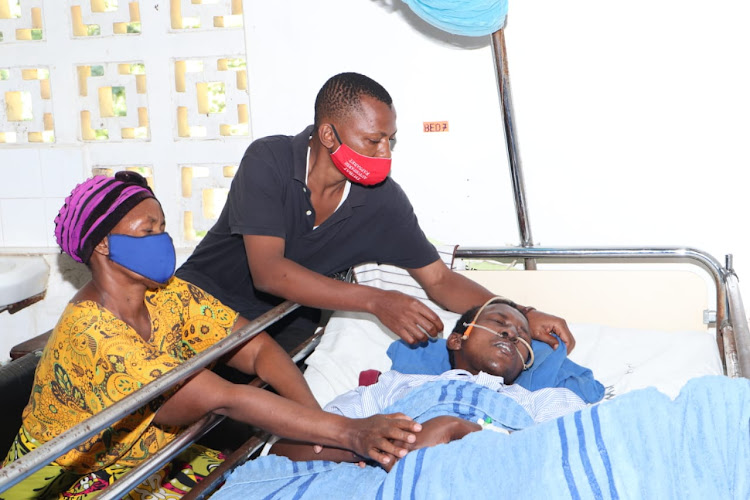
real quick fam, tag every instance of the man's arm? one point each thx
(451, 290)
(275, 274)
(458, 293)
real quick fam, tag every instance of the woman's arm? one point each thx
(438, 430)
(264, 357)
(207, 392)
(302, 452)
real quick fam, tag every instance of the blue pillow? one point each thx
(426, 358)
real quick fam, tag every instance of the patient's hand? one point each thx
(438, 430)
(383, 438)
(441, 430)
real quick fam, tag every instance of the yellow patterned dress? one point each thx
(91, 361)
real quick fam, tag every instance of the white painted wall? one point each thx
(36, 178)
(632, 122)
(633, 119)
(431, 76)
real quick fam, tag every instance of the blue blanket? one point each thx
(551, 367)
(640, 445)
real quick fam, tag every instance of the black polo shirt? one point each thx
(269, 197)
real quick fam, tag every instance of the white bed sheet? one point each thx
(621, 359)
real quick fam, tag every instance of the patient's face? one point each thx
(496, 353)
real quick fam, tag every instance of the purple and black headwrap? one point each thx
(94, 208)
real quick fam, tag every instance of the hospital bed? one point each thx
(645, 317)
(648, 317)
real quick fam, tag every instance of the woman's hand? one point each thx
(543, 325)
(376, 437)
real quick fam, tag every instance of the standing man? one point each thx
(304, 208)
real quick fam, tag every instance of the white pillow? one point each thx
(625, 359)
(352, 342)
(620, 358)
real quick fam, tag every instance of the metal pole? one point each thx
(622, 253)
(511, 142)
(38, 458)
(205, 488)
(739, 326)
(129, 481)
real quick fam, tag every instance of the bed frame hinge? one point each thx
(709, 316)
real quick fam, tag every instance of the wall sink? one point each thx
(23, 280)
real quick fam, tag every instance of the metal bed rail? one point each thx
(139, 473)
(738, 326)
(38, 458)
(731, 326)
(245, 451)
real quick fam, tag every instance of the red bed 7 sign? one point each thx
(435, 126)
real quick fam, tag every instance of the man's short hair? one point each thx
(468, 316)
(341, 94)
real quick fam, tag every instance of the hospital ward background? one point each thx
(630, 129)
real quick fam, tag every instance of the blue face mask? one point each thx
(152, 256)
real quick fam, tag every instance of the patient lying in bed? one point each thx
(641, 444)
(489, 346)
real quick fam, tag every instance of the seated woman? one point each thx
(133, 322)
(490, 346)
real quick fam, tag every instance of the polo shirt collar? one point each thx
(300, 143)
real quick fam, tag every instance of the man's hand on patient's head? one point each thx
(406, 316)
(543, 325)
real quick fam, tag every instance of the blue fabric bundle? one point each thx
(551, 367)
(639, 445)
(462, 17)
(425, 358)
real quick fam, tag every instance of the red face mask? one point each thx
(367, 170)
